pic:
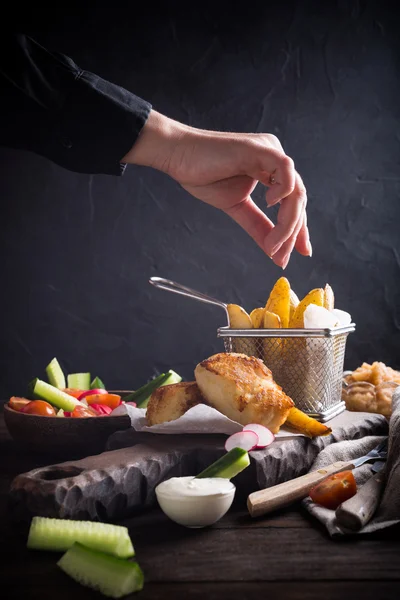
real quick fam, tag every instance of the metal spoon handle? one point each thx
(177, 288)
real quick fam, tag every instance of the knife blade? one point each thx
(357, 511)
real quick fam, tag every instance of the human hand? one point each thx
(222, 169)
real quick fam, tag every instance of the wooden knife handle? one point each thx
(265, 501)
(356, 512)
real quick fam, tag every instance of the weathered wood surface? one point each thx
(286, 555)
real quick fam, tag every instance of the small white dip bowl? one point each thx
(195, 502)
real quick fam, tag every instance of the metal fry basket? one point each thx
(306, 363)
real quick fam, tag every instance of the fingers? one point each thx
(303, 244)
(289, 223)
(282, 257)
(278, 175)
(252, 220)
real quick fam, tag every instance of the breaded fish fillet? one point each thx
(170, 402)
(242, 388)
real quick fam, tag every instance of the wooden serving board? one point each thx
(113, 485)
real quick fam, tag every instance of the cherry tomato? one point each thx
(39, 407)
(83, 411)
(334, 490)
(111, 400)
(72, 392)
(17, 403)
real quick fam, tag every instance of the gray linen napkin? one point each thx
(388, 512)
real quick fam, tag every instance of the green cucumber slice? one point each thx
(61, 534)
(55, 374)
(229, 465)
(45, 391)
(169, 378)
(79, 381)
(146, 389)
(97, 384)
(113, 577)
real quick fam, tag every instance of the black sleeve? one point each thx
(73, 117)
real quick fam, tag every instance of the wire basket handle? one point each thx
(177, 288)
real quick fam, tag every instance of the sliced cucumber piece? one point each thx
(113, 577)
(61, 534)
(146, 389)
(55, 374)
(79, 381)
(97, 384)
(229, 465)
(170, 378)
(45, 391)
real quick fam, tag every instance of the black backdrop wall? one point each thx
(77, 251)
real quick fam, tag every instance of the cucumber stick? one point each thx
(61, 534)
(55, 374)
(97, 384)
(229, 465)
(113, 577)
(45, 391)
(168, 379)
(79, 381)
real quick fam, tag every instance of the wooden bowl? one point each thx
(67, 438)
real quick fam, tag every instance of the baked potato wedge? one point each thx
(279, 301)
(302, 423)
(271, 320)
(314, 297)
(238, 317)
(329, 298)
(256, 317)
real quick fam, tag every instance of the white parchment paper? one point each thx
(199, 419)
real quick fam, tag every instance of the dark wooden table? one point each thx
(286, 556)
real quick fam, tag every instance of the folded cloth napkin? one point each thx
(388, 512)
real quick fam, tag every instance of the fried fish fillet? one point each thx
(170, 402)
(242, 388)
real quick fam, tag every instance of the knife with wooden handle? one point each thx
(281, 495)
(357, 511)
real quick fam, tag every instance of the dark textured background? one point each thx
(77, 251)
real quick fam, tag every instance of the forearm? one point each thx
(158, 142)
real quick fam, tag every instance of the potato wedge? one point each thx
(302, 423)
(238, 317)
(314, 297)
(279, 301)
(329, 298)
(294, 302)
(256, 317)
(271, 320)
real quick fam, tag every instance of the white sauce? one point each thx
(189, 486)
(195, 502)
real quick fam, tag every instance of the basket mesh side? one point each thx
(308, 369)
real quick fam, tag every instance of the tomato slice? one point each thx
(111, 400)
(83, 411)
(39, 407)
(72, 392)
(334, 490)
(17, 403)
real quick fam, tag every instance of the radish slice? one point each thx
(247, 440)
(265, 436)
(91, 393)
